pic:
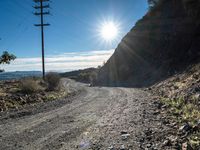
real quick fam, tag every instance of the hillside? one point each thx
(178, 100)
(164, 42)
(83, 75)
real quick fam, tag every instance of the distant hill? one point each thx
(80, 75)
(164, 42)
(19, 74)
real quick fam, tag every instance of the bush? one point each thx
(84, 77)
(93, 78)
(53, 80)
(28, 85)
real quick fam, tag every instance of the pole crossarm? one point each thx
(39, 25)
(39, 7)
(38, 1)
(44, 13)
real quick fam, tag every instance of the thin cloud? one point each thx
(61, 62)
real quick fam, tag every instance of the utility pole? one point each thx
(40, 6)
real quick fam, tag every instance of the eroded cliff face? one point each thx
(165, 41)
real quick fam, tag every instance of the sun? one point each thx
(109, 31)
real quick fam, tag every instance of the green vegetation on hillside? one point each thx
(88, 75)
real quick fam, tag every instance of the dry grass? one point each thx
(29, 85)
(28, 91)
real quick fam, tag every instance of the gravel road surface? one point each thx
(96, 118)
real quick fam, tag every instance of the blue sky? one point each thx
(74, 29)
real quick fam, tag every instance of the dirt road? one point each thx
(97, 118)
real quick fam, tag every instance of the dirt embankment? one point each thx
(179, 101)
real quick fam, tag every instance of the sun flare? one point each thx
(109, 31)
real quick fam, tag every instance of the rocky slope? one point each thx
(179, 102)
(165, 41)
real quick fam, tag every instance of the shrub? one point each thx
(28, 85)
(53, 80)
(84, 77)
(93, 78)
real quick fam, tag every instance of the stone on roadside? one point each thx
(122, 147)
(185, 128)
(167, 143)
(156, 112)
(125, 136)
(111, 148)
(149, 145)
(164, 107)
(124, 132)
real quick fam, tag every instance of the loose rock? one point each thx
(185, 128)
(122, 147)
(125, 136)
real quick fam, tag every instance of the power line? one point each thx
(41, 6)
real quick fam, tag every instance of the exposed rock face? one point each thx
(165, 41)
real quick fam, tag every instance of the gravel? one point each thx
(96, 119)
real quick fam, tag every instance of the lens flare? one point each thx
(109, 31)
